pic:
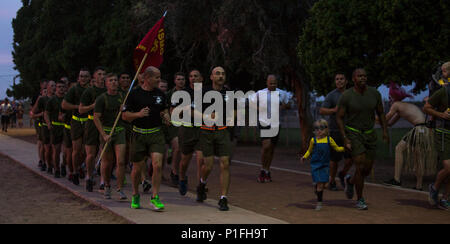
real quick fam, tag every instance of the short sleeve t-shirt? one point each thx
(54, 107)
(42, 103)
(225, 98)
(108, 106)
(360, 108)
(89, 95)
(155, 100)
(73, 96)
(439, 100)
(331, 101)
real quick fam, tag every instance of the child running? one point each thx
(319, 150)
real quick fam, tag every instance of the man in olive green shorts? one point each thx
(37, 120)
(189, 136)
(146, 106)
(91, 135)
(438, 106)
(71, 102)
(107, 108)
(55, 124)
(356, 119)
(67, 140)
(215, 141)
(45, 133)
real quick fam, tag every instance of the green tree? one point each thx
(398, 41)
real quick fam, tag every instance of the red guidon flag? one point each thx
(153, 44)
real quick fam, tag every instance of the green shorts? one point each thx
(189, 139)
(45, 135)
(91, 135)
(142, 145)
(442, 141)
(215, 143)
(77, 130)
(66, 138)
(118, 138)
(363, 143)
(173, 132)
(56, 134)
(38, 129)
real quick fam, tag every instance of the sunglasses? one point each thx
(322, 127)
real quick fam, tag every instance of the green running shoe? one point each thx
(157, 204)
(135, 202)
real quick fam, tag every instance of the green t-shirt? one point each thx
(109, 107)
(439, 100)
(54, 107)
(89, 96)
(42, 103)
(360, 108)
(73, 96)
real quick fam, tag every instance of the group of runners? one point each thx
(352, 116)
(80, 117)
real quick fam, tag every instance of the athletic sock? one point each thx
(222, 197)
(202, 181)
(319, 196)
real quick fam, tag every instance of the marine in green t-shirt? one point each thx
(356, 118)
(107, 108)
(54, 119)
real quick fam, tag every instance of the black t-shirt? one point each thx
(157, 102)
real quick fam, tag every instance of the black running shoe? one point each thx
(183, 187)
(223, 204)
(63, 171)
(43, 167)
(146, 186)
(57, 174)
(76, 179)
(201, 193)
(89, 185)
(349, 190)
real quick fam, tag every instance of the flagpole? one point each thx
(120, 110)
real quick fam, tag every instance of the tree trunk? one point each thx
(302, 97)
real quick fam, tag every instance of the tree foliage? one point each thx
(400, 40)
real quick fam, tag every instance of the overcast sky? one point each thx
(8, 9)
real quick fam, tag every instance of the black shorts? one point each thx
(5, 119)
(337, 156)
(274, 139)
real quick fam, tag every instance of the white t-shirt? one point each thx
(283, 96)
(6, 109)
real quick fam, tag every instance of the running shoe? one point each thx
(342, 179)
(136, 202)
(146, 186)
(417, 189)
(89, 185)
(76, 179)
(318, 206)
(392, 182)
(332, 186)
(107, 193)
(122, 195)
(444, 204)
(349, 191)
(361, 205)
(102, 187)
(201, 193)
(43, 167)
(174, 178)
(262, 177)
(223, 204)
(156, 204)
(63, 171)
(433, 197)
(183, 187)
(57, 174)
